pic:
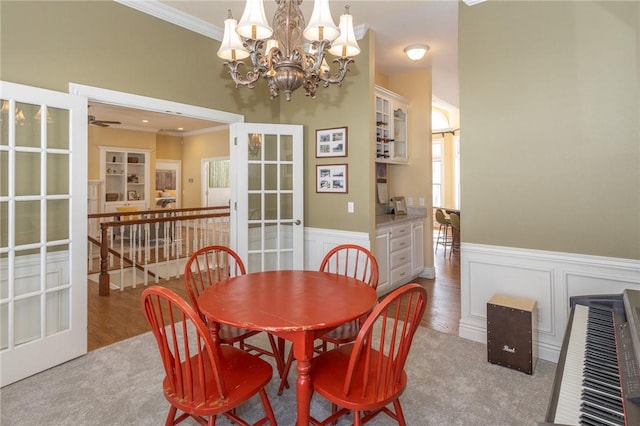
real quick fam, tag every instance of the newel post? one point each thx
(103, 283)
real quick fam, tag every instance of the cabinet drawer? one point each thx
(400, 231)
(400, 257)
(401, 274)
(400, 243)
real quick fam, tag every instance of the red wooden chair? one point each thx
(366, 376)
(349, 260)
(356, 262)
(209, 265)
(203, 380)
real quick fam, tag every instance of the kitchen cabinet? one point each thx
(125, 174)
(417, 247)
(392, 145)
(399, 251)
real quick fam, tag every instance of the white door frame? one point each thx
(129, 100)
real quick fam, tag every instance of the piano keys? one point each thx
(597, 380)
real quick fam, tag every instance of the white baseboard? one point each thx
(428, 273)
(550, 278)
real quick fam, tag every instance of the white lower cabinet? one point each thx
(399, 251)
(417, 247)
(382, 256)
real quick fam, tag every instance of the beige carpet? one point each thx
(450, 383)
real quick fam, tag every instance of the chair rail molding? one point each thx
(550, 278)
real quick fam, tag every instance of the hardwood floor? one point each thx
(119, 316)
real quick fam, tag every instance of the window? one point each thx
(437, 170)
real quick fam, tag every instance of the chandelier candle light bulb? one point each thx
(287, 62)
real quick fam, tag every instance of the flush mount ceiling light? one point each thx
(286, 61)
(415, 52)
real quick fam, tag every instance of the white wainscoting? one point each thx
(550, 278)
(318, 241)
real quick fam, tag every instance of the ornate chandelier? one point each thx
(287, 61)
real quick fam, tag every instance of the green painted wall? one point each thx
(105, 44)
(351, 106)
(549, 101)
(50, 44)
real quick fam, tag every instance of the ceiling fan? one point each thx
(101, 123)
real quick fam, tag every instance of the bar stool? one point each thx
(444, 238)
(454, 219)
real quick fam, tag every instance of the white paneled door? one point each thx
(43, 231)
(267, 195)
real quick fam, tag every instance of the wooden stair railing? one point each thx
(172, 216)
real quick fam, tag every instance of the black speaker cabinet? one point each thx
(511, 332)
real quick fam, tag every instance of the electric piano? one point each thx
(597, 379)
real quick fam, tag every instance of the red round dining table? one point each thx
(299, 306)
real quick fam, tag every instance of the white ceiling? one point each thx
(397, 24)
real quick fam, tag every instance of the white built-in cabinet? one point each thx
(399, 250)
(392, 145)
(125, 174)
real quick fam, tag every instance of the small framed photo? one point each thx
(331, 178)
(399, 206)
(132, 195)
(331, 142)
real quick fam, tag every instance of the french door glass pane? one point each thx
(27, 315)
(271, 237)
(4, 174)
(286, 147)
(270, 147)
(27, 170)
(4, 122)
(271, 206)
(4, 225)
(286, 237)
(4, 326)
(27, 127)
(255, 236)
(270, 261)
(57, 174)
(255, 206)
(255, 177)
(286, 206)
(57, 220)
(57, 311)
(270, 177)
(27, 222)
(286, 260)
(58, 135)
(286, 177)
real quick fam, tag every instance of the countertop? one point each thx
(390, 219)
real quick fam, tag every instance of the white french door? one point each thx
(267, 195)
(43, 230)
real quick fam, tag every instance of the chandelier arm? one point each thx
(251, 78)
(319, 50)
(339, 74)
(257, 58)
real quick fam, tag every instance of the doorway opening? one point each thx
(130, 107)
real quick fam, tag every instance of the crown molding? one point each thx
(175, 16)
(191, 23)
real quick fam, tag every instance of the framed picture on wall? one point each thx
(331, 178)
(331, 142)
